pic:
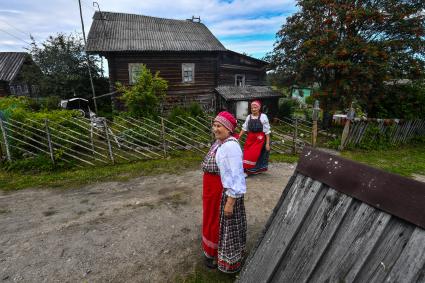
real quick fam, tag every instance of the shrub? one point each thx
(286, 108)
(144, 97)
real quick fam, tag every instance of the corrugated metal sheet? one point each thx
(10, 64)
(128, 32)
(246, 92)
(319, 234)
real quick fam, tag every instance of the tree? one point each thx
(350, 48)
(63, 63)
(144, 97)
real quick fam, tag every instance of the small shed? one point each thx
(236, 99)
(341, 221)
(11, 79)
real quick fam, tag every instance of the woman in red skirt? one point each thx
(224, 219)
(257, 145)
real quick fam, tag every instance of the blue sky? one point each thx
(241, 25)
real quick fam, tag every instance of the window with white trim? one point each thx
(239, 80)
(12, 89)
(134, 70)
(188, 73)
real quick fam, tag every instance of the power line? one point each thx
(11, 34)
(21, 31)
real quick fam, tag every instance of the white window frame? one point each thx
(18, 90)
(243, 79)
(12, 89)
(133, 72)
(186, 67)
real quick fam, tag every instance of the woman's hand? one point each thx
(228, 207)
(267, 146)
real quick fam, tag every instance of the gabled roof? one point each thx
(246, 92)
(10, 64)
(342, 221)
(128, 32)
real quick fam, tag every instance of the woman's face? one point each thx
(220, 131)
(255, 109)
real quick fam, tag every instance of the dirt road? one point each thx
(143, 230)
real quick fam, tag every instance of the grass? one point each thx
(79, 177)
(287, 158)
(203, 274)
(405, 160)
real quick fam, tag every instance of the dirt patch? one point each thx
(146, 229)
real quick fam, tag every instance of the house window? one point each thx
(239, 80)
(12, 89)
(25, 89)
(188, 73)
(18, 90)
(134, 70)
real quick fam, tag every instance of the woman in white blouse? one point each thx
(223, 218)
(257, 144)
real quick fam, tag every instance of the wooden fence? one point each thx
(394, 131)
(82, 142)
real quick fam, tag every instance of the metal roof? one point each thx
(342, 221)
(129, 32)
(10, 64)
(246, 92)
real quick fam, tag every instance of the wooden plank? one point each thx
(392, 193)
(411, 263)
(360, 230)
(283, 229)
(386, 251)
(315, 235)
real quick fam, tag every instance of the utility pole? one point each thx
(88, 59)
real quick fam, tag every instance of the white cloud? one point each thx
(237, 18)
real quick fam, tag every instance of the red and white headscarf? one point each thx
(227, 120)
(256, 102)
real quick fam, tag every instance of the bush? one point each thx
(286, 108)
(143, 98)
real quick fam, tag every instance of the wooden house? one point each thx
(11, 79)
(185, 52)
(342, 221)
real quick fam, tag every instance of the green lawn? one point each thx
(79, 177)
(405, 160)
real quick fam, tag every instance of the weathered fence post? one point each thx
(49, 140)
(6, 143)
(111, 155)
(346, 131)
(315, 117)
(295, 136)
(164, 146)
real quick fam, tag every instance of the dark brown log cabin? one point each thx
(11, 78)
(185, 53)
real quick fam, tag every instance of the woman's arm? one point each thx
(241, 134)
(268, 142)
(228, 207)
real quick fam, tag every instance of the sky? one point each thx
(246, 26)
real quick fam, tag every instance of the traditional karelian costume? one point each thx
(255, 155)
(224, 237)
